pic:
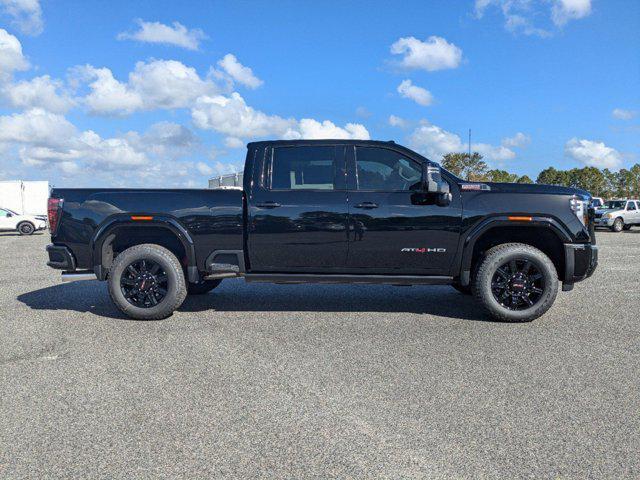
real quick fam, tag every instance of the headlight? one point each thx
(607, 215)
(579, 208)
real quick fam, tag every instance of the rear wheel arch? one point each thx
(119, 234)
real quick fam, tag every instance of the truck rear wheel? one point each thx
(146, 282)
(516, 282)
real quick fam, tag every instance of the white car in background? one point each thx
(618, 215)
(597, 202)
(24, 224)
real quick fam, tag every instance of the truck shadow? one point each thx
(237, 296)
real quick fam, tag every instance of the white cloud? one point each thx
(233, 142)
(26, 14)
(622, 114)
(108, 95)
(36, 127)
(11, 57)
(156, 32)
(396, 121)
(491, 152)
(518, 140)
(519, 15)
(43, 92)
(238, 72)
(309, 128)
(564, 10)
(231, 116)
(419, 95)
(159, 84)
(593, 154)
(434, 142)
(204, 169)
(433, 54)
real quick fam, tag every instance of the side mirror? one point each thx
(9, 214)
(435, 184)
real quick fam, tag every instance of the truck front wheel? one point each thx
(618, 225)
(516, 282)
(146, 282)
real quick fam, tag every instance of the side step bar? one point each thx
(340, 278)
(77, 276)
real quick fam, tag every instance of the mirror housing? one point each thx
(9, 215)
(435, 184)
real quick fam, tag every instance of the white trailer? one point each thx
(25, 198)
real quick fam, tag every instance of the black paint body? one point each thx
(324, 231)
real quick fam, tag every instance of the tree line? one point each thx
(624, 183)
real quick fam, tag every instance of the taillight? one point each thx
(54, 211)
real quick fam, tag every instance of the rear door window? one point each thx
(303, 168)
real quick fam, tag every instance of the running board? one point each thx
(77, 276)
(340, 278)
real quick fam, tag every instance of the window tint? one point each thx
(3, 213)
(386, 170)
(303, 168)
(631, 205)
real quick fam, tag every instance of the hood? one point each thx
(536, 188)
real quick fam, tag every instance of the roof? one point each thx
(324, 141)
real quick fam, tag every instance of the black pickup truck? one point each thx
(329, 211)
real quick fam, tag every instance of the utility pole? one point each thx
(469, 144)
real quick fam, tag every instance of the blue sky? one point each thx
(159, 93)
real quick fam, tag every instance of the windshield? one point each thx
(615, 204)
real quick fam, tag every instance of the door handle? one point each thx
(366, 205)
(268, 205)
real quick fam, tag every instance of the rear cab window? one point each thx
(303, 168)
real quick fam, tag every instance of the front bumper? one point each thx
(603, 222)
(61, 258)
(580, 261)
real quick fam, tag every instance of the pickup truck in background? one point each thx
(329, 211)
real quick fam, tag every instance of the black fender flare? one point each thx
(468, 242)
(162, 221)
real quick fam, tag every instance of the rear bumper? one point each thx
(61, 258)
(581, 260)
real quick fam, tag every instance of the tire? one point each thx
(618, 225)
(26, 228)
(203, 287)
(540, 287)
(626, 228)
(170, 279)
(465, 290)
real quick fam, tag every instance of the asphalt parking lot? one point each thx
(261, 381)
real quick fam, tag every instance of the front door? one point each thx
(298, 218)
(6, 221)
(393, 226)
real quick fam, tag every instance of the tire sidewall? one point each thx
(488, 269)
(618, 225)
(31, 228)
(175, 282)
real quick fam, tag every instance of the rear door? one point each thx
(394, 228)
(298, 210)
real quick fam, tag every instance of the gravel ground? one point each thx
(307, 381)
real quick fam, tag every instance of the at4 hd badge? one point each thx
(424, 250)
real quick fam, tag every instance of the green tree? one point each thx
(501, 176)
(524, 179)
(464, 166)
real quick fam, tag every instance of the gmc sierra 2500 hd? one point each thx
(329, 211)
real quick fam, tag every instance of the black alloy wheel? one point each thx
(144, 283)
(518, 284)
